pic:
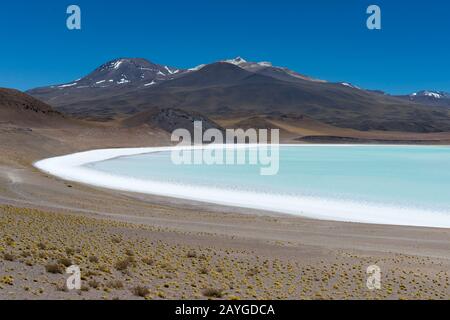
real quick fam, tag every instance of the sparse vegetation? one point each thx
(65, 262)
(94, 284)
(191, 254)
(54, 268)
(8, 280)
(70, 251)
(93, 259)
(9, 257)
(180, 271)
(252, 272)
(148, 261)
(203, 270)
(213, 293)
(124, 264)
(116, 240)
(141, 291)
(115, 284)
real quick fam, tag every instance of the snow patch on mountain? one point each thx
(265, 64)
(201, 66)
(431, 94)
(68, 85)
(170, 70)
(117, 64)
(346, 84)
(123, 81)
(236, 61)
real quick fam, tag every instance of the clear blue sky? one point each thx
(327, 39)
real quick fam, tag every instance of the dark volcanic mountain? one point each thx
(120, 73)
(432, 98)
(266, 68)
(112, 78)
(236, 88)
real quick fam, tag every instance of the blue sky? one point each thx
(327, 39)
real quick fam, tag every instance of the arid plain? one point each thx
(132, 246)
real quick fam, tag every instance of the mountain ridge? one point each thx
(429, 97)
(229, 88)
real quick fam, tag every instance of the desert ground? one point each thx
(132, 246)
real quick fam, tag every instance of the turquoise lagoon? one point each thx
(402, 185)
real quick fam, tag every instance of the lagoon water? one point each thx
(407, 185)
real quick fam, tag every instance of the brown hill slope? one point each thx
(31, 130)
(17, 108)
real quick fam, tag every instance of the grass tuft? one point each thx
(141, 291)
(213, 293)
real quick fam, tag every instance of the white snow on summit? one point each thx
(350, 85)
(265, 64)
(197, 67)
(170, 71)
(430, 94)
(433, 94)
(117, 64)
(236, 61)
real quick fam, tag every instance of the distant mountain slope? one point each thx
(428, 97)
(266, 68)
(170, 120)
(219, 74)
(237, 87)
(226, 90)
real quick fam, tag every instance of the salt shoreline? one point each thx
(70, 167)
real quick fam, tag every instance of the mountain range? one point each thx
(429, 97)
(237, 88)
